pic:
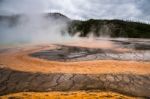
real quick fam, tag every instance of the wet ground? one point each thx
(71, 67)
(136, 50)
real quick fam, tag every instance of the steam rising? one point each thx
(48, 28)
(29, 26)
(33, 28)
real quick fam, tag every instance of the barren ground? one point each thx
(18, 61)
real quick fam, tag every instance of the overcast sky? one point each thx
(82, 9)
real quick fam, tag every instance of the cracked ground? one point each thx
(47, 68)
(130, 84)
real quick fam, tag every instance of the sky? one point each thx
(137, 10)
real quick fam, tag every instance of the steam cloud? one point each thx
(35, 28)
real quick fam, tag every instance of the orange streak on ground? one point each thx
(19, 60)
(68, 95)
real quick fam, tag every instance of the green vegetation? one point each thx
(113, 28)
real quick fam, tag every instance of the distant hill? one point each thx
(112, 28)
(57, 16)
(13, 20)
(10, 20)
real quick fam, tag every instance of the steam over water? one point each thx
(32, 29)
(45, 28)
(52, 29)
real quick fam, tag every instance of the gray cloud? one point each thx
(82, 9)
